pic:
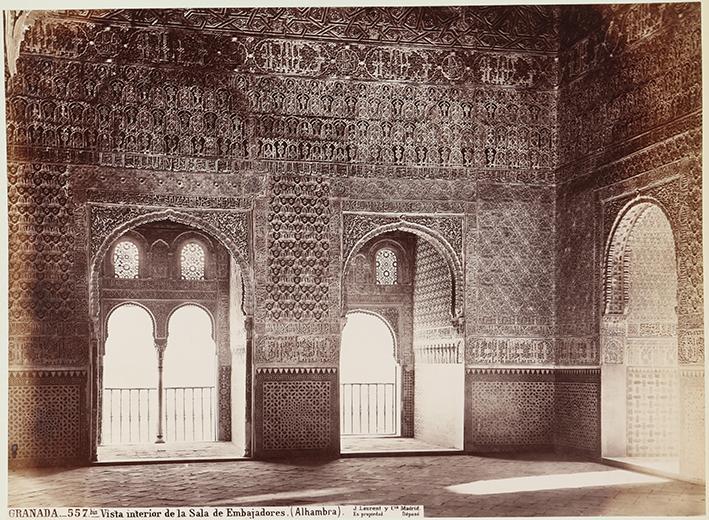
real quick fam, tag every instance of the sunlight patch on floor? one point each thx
(550, 482)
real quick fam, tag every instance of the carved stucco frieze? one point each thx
(105, 219)
(357, 225)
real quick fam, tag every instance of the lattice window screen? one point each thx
(387, 267)
(192, 262)
(126, 260)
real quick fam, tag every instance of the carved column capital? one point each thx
(160, 346)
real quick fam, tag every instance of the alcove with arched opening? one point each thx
(195, 371)
(639, 371)
(399, 294)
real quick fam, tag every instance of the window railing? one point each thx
(130, 415)
(368, 409)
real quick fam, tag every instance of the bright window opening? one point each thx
(190, 374)
(369, 377)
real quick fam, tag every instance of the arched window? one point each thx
(126, 260)
(192, 261)
(386, 267)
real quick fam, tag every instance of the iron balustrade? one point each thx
(130, 415)
(189, 401)
(368, 409)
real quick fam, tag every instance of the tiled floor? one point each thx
(227, 450)
(453, 485)
(354, 444)
(185, 450)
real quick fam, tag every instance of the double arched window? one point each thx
(386, 267)
(126, 260)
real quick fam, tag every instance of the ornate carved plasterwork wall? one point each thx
(511, 27)
(629, 121)
(436, 340)
(176, 100)
(452, 110)
(395, 125)
(513, 306)
(47, 312)
(605, 75)
(660, 144)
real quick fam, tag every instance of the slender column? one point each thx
(97, 352)
(248, 440)
(160, 344)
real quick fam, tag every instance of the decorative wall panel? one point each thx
(653, 416)
(298, 410)
(510, 408)
(515, 262)
(408, 382)
(692, 422)
(47, 418)
(513, 306)
(577, 395)
(299, 258)
(576, 234)
(511, 351)
(45, 299)
(304, 349)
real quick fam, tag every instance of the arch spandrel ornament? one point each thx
(444, 233)
(108, 223)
